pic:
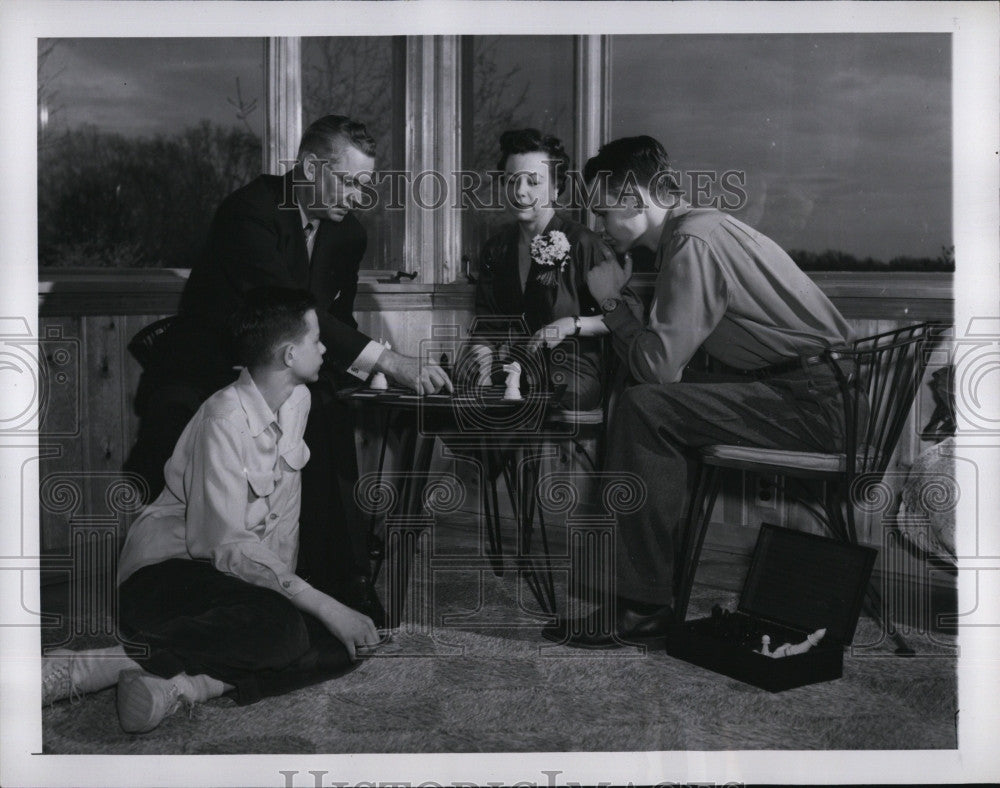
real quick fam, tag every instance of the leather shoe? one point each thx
(614, 627)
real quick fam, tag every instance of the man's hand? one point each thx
(424, 378)
(350, 627)
(606, 279)
(552, 334)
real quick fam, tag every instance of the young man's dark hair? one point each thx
(643, 157)
(516, 141)
(268, 317)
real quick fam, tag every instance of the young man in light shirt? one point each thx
(209, 599)
(722, 287)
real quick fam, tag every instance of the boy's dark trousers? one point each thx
(194, 619)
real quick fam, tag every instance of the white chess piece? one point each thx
(513, 390)
(788, 650)
(483, 360)
(765, 645)
(379, 381)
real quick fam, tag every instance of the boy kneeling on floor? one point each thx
(208, 597)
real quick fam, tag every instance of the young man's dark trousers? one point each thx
(655, 431)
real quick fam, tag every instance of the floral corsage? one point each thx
(550, 251)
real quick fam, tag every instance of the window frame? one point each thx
(431, 137)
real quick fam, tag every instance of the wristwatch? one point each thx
(609, 305)
(577, 326)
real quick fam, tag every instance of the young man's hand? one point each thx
(606, 279)
(424, 378)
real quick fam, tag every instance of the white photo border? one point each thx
(976, 130)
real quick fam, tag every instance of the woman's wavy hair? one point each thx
(517, 141)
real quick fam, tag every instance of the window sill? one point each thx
(859, 295)
(157, 291)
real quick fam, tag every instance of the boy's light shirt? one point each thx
(233, 491)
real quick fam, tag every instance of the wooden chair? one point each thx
(878, 379)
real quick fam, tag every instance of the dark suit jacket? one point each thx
(256, 239)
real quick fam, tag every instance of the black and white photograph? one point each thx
(537, 393)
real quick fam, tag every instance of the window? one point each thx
(363, 77)
(844, 141)
(510, 82)
(138, 142)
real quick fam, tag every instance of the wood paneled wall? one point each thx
(99, 392)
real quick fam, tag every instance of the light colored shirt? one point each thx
(233, 491)
(364, 364)
(725, 286)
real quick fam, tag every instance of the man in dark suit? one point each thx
(296, 231)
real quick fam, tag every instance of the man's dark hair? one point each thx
(268, 317)
(326, 137)
(643, 157)
(517, 141)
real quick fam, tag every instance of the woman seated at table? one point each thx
(535, 268)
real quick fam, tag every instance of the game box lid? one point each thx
(807, 582)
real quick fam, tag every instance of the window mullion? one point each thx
(448, 157)
(593, 98)
(283, 98)
(432, 146)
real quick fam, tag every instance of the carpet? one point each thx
(478, 678)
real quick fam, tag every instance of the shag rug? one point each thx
(478, 678)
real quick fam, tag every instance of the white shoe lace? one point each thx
(57, 681)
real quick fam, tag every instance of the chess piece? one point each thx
(788, 650)
(513, 390)
(765, 645)
(379, 381)
(482, 364)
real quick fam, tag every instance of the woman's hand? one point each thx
(552, 334)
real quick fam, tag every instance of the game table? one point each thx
(505, 438)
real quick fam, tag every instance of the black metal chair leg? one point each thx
(491, 511)
(833, 499)
(699, 513)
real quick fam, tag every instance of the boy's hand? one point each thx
(353, 629)
(350, 627)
